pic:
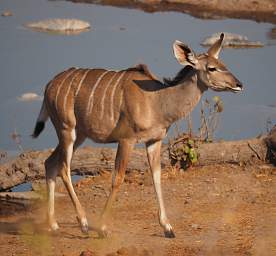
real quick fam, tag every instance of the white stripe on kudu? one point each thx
(58, 90)
(68, 90)
(91, 99)
(104, 94)
(81, 81)
(121, 92)
(112, 95)
(52, 81)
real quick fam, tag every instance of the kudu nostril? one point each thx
(239, 85)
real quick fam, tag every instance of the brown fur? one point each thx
(143, 68)
(181, 75)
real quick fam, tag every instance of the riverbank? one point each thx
(258, 10)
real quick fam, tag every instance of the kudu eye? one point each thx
(212, 69)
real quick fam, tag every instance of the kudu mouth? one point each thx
(238, 88)
(229, 87)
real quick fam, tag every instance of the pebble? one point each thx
(87, 253)
(195, 226)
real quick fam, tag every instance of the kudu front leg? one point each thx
(153, 153)
(124, 149)
(69, 144)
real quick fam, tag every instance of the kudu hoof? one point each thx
(84, 229)
(83, 225)
(53, 227)
(103, 233)
(169, 234)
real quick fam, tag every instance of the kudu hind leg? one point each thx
(70, 144)
(153, 153)
(51, 168)
(122, 156)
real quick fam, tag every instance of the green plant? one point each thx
(183, 152)
(183, 148)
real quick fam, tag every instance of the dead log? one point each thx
(90, 161)
(29, 165)
(241, 151)
(28, 195)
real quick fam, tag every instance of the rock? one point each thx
(272, 138)
(131, 251)
(87, 253)
(3, 155)
(195, 226)
(272, 33)
(29, 96)
(149, 1)
(232, 40)
(271, 143)
(64, 26)
(123, 251)
(6, 13)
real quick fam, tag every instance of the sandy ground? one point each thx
(215, 210)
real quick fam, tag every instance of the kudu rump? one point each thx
(127, 107)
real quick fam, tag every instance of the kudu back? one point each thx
(126, 107)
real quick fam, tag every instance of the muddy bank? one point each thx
(29, 166)
(258, 10)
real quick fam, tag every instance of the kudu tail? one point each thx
(41, 120)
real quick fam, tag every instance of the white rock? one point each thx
(67, 26)
(29, 96)
(6, 13)
(231, 40)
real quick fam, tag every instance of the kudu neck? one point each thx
(181, 96)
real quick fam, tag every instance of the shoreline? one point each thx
(257, 10)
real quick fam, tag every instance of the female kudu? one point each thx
(127, 107)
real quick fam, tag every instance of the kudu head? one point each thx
(210, 70)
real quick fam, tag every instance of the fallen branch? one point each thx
(29, 166)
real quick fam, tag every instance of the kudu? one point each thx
(127, 107)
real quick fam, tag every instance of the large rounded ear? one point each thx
(216, 47)
(184, 54)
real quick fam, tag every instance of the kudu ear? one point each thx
(184, 54)
(216, 47)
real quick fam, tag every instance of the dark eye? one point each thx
(212, 69)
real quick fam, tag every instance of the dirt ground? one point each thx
(215, 210)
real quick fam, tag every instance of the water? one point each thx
(22, 187)
(121, 38)
(27, 186)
